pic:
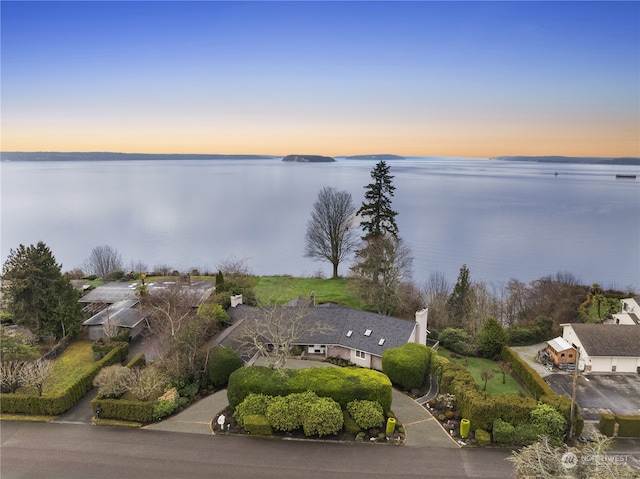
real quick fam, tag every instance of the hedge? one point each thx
(257, 424)
(343, 385)
(407, 365)
(629, 426)
(482, 437)
(222, 362)
(138, 361)
(531, 379)
(61, 403)
(136, 411)
(607, 424)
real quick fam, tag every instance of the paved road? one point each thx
(71, 451)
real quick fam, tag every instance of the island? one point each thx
(572, 159)
(308, 159)
(378, 157)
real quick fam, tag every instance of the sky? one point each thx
(474, 79)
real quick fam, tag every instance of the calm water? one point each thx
(503, 219)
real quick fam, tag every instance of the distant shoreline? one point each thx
(593, 160)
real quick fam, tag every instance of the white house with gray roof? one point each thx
(630, 312)
(357, 336)
(605, 347)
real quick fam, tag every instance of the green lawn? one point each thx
(280, 289)
(75, 362)
(494, 386)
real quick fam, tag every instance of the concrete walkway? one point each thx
(422, 429)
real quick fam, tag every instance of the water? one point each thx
(503, 220)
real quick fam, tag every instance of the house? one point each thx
(605, 347)
(561, 352)
(114, 305)
(357, 336)
(630, 312)
(112, 319)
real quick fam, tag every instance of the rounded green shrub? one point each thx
(323, 418)
(253, 404)
(366, 414)
(222, 362)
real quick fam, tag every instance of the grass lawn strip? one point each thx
(280, 289)
(494, 386)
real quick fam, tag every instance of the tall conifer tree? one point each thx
(379, 218)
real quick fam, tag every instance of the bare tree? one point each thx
(35, 373)
(381, 267)
(103, 260)
(175, 330)
(273, 331)
(10, 375)
(234, 269)
(330, 235)
(146, 382)
(436, 292)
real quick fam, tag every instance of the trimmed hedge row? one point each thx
(136, 411)
(531, 379)
(407, 365)
(59, 404)
(343, 385)
(138, 361)
(628, 426)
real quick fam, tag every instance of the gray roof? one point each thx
(122, 312)
(351, 328)
(621, 340)
(111, 293)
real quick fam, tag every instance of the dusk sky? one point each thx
(475, 79)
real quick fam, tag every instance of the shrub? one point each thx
(286, 413)
(323, 417)
(366, 414)
(549, 422)
(257, 424)
(482, 437)
(115, 275)
(503, 432)
(349, 424)
(145, 383)
(138, 361)
(607, 424)
(137, 411)
(258, 380)
(531, 379)
(163, 408)
(112, 381)
(253, 404)
(491, 338)
(407, 365)
(222, 362)
(629, 426)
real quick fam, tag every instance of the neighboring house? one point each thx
(630, 312)
(114, 318)
(357, 336)
(605, 347)
(117, 302)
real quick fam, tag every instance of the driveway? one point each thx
(598, 393)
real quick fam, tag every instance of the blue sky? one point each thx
(411, 78)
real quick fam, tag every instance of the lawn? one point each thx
(75, 362)
(494, 386)
(280, 289)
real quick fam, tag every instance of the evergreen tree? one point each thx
(459, 302)
(38, 295)
(376, 208)
(491, 338)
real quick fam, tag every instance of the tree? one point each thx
(273, 331)
(35, 373)
(459, 302)
(381, 269)
(16, 347)
(10, 375)
(376, 208)
(491, 338)
(112, 381)
(486, 374)
(329, 231)
(103, 260)
(586, 461)
(38, 295)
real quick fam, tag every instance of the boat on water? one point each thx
(626, 176)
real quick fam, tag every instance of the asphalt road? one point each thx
(70, 451)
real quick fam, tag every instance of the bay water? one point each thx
(503, 219)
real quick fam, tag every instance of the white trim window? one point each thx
(361, 354)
